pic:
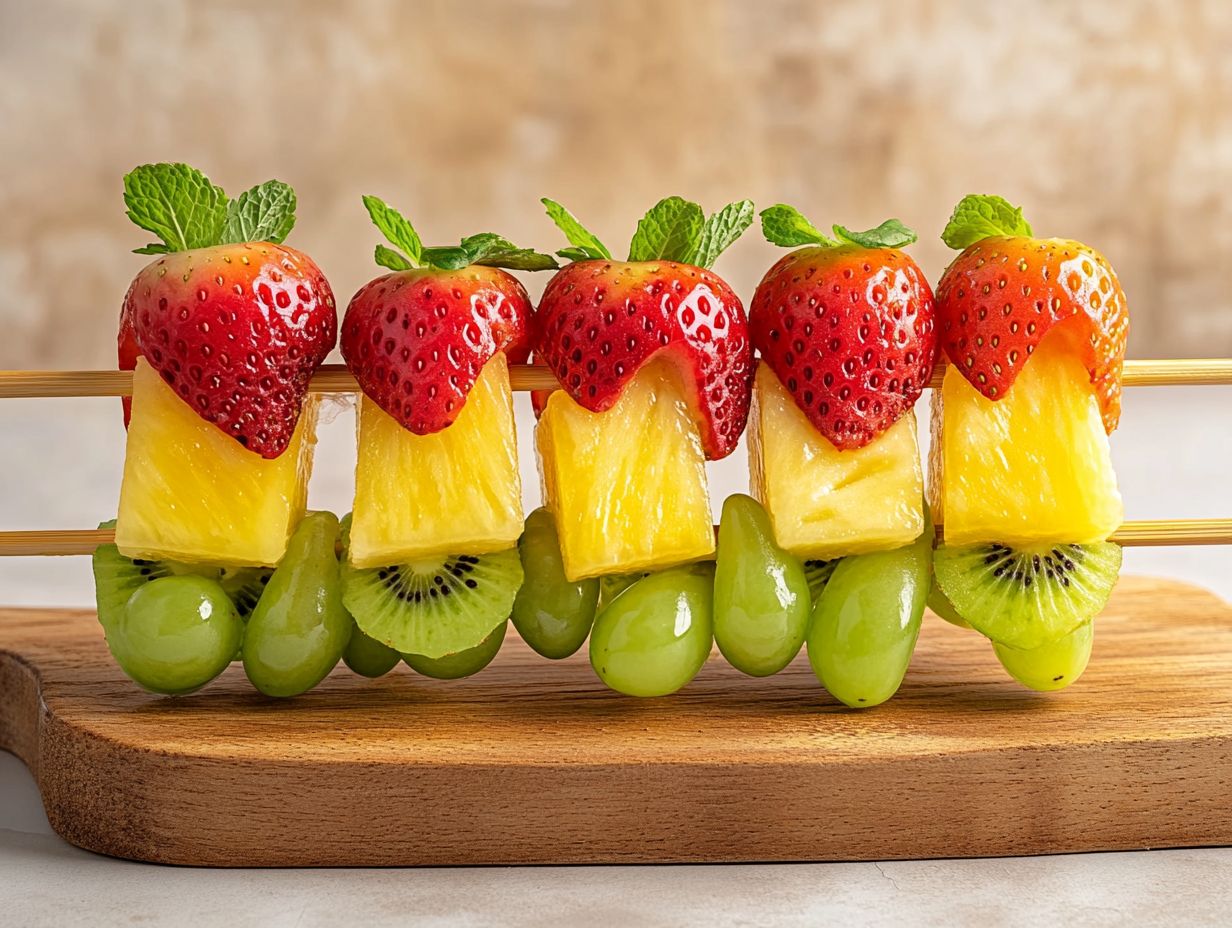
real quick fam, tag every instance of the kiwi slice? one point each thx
(1029, 595)
(818, 572)
(117, 577)
(245, 585)
(434, 606)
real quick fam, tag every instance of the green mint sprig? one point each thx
(674, 229)
(979, 216)
(179, 205)
(486, 248)
(786, 226)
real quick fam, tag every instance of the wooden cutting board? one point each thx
(534, 762)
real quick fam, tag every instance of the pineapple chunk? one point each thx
(1033, 466)
(824, 502)
(456, 491)
(627, 486)
(192, 493)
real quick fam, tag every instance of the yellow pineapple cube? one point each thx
(627, 486)
(192, 493)
(824, 502)
(456, 491)
(1033, 466)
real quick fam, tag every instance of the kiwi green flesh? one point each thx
(116, 578)
(436, 606)
(245, 585)
(1026, 596)
(818, 573)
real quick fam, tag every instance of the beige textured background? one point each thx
(1109, 121)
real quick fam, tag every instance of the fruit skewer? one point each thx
(431, 567)
(1020, 466)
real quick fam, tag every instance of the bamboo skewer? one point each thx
(1162, 532)
(335, 378)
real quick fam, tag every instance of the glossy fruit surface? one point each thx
(176, 634)
(192, 494)
(1026, 596)
(368, 657)
(599, 322)
(416, 340)
(299, 629)
(849, 332)
(1032, 467)
(236, 331)
(825, 502)
(943, 608)
(867, 620)
(463, 663)
(552, 613)
(454, 491)
(1051, 666)
(762, 603)
(627, 486)
(1001, 296)
(656, 635)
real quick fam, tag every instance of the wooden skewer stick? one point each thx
(335, 378)
(1167, 532)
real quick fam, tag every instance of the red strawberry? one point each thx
(847, 327)
(600, 320)
(233, 320)
(237, 331)
(1004, 293)
(417, 339)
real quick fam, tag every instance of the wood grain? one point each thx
(535, 762)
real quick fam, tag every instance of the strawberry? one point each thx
(234, 321)
(417, 338)
(600, 320)
(1007, 290)
(846, 324)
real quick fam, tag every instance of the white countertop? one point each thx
(1171, 453)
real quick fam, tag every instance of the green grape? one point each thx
(941, 606)
(762, 601)
(369, 657)
(1051, 666)
(463, 663)
(176, 634)
(552, 613)
(299, 628)
(867, 619)
(656, 635)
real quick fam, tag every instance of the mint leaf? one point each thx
(396, 229)
(720, 231)
(492, 250)
(152, 249)
(978, 216)
(178, 204)
(890, 234)
(671, 230)
(576, 254)
(265, 213)
(579, 236)
(446, 257)
(786, 226)
(387, 257)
